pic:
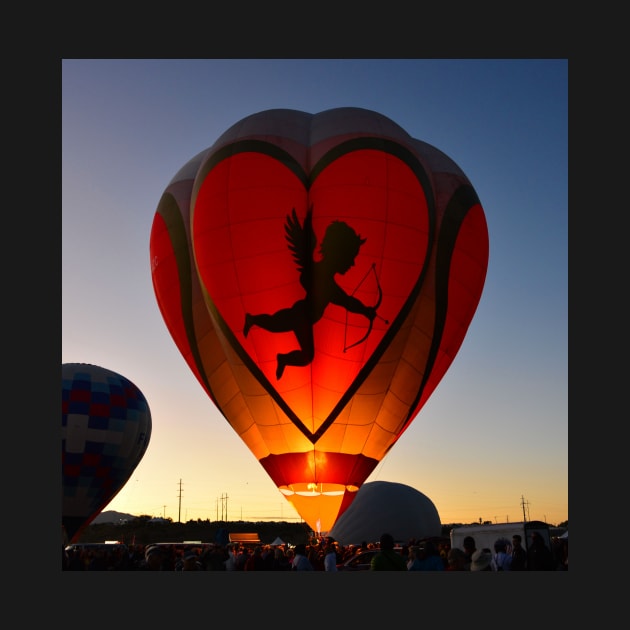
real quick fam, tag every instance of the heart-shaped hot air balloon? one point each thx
(105, 431)
(318, 272)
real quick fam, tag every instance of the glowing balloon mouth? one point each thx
(319, 504)
(312, 489)
(319, 484)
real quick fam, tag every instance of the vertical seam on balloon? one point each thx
(460, 203)
(177, 232)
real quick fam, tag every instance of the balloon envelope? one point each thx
(105, 431)
(318, 272)
(384, 506)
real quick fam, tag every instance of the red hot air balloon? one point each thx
(105, 431)
(318, 272)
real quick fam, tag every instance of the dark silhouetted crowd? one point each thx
(320, 554)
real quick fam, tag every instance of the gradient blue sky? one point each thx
(495, 431)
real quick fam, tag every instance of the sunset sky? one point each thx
(493, 439)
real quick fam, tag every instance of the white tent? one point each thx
(277, 542)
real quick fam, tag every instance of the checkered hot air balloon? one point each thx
(105, 432)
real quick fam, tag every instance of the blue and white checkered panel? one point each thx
(105, 431)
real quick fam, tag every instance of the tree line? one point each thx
(147, 529)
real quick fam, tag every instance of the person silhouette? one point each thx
(339, 248)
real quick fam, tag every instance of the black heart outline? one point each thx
(271, 150)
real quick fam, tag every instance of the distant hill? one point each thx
(111, 516)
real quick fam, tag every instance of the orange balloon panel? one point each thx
(319, 274)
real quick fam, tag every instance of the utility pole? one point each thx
(224, 516)
(164, 511)
(179, 513)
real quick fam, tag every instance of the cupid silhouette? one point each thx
(340, 246)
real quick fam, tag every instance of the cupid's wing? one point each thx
(301, 239)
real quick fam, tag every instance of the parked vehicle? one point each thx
(486, 535)
(107, 545)
(361, 560)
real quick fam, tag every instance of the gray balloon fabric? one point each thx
(383, 506)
